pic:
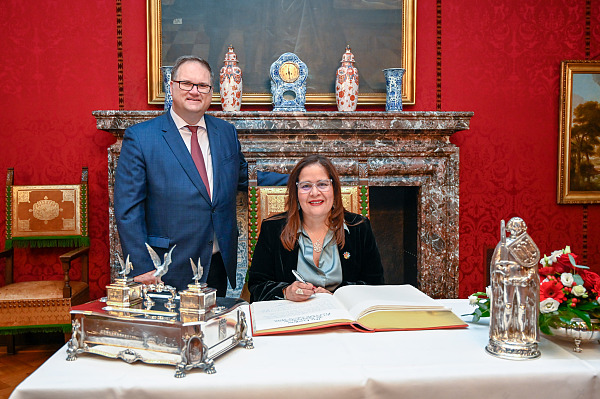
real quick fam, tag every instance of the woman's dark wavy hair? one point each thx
(289, 235)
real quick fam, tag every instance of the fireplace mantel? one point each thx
(431, 123)
(373, 148)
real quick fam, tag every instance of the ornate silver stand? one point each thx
(158, 336)
(187, 330)
(578, 332)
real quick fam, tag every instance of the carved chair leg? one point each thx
(10, 344)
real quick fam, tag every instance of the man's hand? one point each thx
(146, 278)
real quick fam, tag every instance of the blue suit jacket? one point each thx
(161, 199)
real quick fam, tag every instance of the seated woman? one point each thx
(317, 237)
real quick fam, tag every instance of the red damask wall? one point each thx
(500, 59)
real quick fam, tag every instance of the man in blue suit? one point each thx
(174, 186)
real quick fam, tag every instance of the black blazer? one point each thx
(272, 264)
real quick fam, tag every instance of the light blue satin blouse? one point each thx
(328, 273)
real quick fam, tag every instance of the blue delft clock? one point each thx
(288, 83)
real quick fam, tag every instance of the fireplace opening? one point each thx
(394, 218)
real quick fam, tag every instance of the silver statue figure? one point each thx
(514, 305)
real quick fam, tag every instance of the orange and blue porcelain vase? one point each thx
(230, 83)
(346, 83)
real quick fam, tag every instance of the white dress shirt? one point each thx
(186, 135)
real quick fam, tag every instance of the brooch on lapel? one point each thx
(346, 255)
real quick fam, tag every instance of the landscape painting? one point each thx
(579, 145)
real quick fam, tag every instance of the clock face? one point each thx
(289, 72)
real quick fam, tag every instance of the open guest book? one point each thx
(364, 307)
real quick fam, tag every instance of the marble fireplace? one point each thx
(378, 149)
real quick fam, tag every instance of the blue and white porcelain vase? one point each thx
(166, 73)
(230, 83)
(393, 88)
(346, 83)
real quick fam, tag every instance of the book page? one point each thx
(283, 313)
(360, 299)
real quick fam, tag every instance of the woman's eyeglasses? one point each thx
(306, 186)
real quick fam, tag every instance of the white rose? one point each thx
(554, 256)
(549, 305)
(472, 300)
(567, 279)
(488, 291)
(578, 290)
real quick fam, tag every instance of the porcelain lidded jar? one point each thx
(230, 83)
(346, 83)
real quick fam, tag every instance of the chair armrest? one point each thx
(66, 260)
(74, 254)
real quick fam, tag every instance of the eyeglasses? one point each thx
(188, 86)
(322, 186)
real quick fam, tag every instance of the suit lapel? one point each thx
(177, 146)
(214, 140)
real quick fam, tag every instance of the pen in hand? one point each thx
(299, 276)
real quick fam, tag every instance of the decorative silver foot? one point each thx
(73, 345)
(71, 353)
(210, 367)
(179, 371)
(577, 347)
(247, 343)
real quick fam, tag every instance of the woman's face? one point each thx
(316, 203)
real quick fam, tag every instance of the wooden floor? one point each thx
(32, 350)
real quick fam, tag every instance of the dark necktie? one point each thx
(198, 157)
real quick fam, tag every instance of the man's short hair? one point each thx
(193, 58)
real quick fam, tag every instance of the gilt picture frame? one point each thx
(252, 60)
(579, 136)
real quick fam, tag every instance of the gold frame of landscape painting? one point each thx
(321, 89)
(579, 137)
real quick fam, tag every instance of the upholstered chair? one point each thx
(44, 216)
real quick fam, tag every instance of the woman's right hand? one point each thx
(298, 291)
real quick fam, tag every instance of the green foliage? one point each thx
(482, 307)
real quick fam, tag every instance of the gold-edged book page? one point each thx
(410, 320)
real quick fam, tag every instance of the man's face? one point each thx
(191, 105)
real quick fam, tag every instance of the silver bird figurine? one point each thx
(161, 268)
(197, 270)
(126, 267)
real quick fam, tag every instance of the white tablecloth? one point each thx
(337, 363)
